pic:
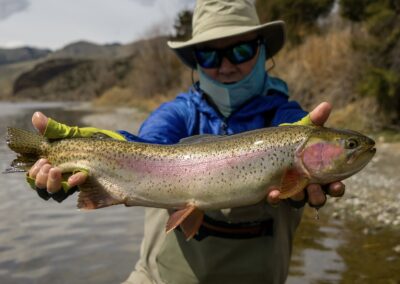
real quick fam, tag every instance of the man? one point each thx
(234, 94)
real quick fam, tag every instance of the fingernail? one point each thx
(52, 175)
(35, 117)
(71, 179)
(46, 170)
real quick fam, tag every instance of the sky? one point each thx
(56, 23)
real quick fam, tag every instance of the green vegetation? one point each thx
(301, 16)
(351, 59)
(381, 50)
(354, 10)
(183, 25)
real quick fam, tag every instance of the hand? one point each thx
(316, 194)
(45, 175)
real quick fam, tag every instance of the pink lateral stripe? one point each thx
(177, 166)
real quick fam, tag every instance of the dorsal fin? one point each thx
(200, 138)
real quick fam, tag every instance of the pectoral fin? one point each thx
(189, 218)
(292, 183)
(92, 195)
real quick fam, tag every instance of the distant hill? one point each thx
(16, 55)
(77, 50)
(89, 50)
(85, 70)
(72, 72)
(69, 79)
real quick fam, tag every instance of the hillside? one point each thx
(69, 79)
(83, 70)
(89, 50)
(16, 55)
(78, 71)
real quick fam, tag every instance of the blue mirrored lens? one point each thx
(242, 53)
(212, 58)
(207, 59)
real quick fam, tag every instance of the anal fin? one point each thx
(292, 183)
(189, 218)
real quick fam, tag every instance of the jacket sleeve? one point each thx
(288, 112)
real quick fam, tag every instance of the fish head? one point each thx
(332, 155)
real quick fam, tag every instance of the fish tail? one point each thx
(28, 145)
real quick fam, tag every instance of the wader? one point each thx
(229, 253)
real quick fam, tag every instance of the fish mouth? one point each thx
(370, 150)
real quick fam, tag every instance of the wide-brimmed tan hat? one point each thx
(216, 19)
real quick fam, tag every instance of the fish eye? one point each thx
(351, 143)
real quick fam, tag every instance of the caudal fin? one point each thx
(28, 145)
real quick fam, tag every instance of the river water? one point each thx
(46, 242)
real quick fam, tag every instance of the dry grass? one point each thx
(361, 115)
(327, 68)
(323, 68)
(116, 96)
(156, 76)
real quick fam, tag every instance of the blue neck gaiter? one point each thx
(229, 97)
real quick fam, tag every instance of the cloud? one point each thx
(55, 23)
(10, 7)
(145, 2)
(184, 3)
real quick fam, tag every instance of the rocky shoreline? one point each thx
(372, 196)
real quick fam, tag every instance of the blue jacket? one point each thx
(190, 114)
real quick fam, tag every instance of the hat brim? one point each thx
(272, 32)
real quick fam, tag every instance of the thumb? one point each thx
(320, 114)
(39, 121)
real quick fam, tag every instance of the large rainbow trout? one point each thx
(202, 172)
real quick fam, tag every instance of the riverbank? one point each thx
(121, 118)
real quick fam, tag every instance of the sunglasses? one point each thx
(236, 54)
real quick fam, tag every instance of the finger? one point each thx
(336, 189)
(273, 197)
(54, 180)
(77, 179)
(320, 114)
(41, 177)
(36, 167)
(316, 196)
(299, 196)
(39, 121)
